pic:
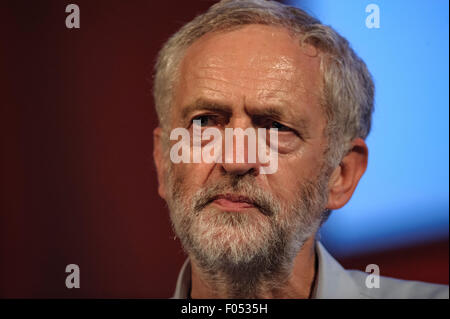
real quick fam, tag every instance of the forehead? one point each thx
(255, 63)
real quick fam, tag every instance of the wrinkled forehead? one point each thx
(255, 61)
(256, 47)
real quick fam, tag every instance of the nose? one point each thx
(240, 169)
(241, 150)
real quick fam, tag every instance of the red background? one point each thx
(77, 175)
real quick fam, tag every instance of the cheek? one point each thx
(193, 176)
(294, 169)
(285, 181)
(303, 163)
(289, 144)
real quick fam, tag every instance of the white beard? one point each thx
(245, 249)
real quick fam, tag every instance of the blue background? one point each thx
(403, 197)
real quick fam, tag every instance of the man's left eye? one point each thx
(279, 126)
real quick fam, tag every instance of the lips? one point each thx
(233, 202)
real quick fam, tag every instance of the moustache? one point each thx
(240, 190)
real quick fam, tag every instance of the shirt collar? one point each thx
(183, 282)
(333, 281)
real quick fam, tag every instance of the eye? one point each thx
(279, 126)
(203, 120)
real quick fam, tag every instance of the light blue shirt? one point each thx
(335, 282)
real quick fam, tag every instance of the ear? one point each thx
(346, 176)
(159, 161)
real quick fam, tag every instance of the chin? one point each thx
(231, 237)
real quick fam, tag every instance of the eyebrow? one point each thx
(276, 114)
(267, 112)
(270, 111)
(206, 105)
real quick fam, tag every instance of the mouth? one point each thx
(233, 202)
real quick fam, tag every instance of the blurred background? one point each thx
(78, 183)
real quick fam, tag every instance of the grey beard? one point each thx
(242, 254)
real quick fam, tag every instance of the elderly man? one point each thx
(260, 64)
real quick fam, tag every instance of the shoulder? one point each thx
(391, 288)
(333, 281)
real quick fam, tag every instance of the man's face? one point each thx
(227, 213)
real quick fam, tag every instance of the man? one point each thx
(255, 64)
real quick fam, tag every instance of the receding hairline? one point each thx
(309, 49)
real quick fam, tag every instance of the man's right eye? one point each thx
(203, 120)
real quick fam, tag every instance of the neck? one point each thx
(298, 283)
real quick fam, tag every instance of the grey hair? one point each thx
(348, 90)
